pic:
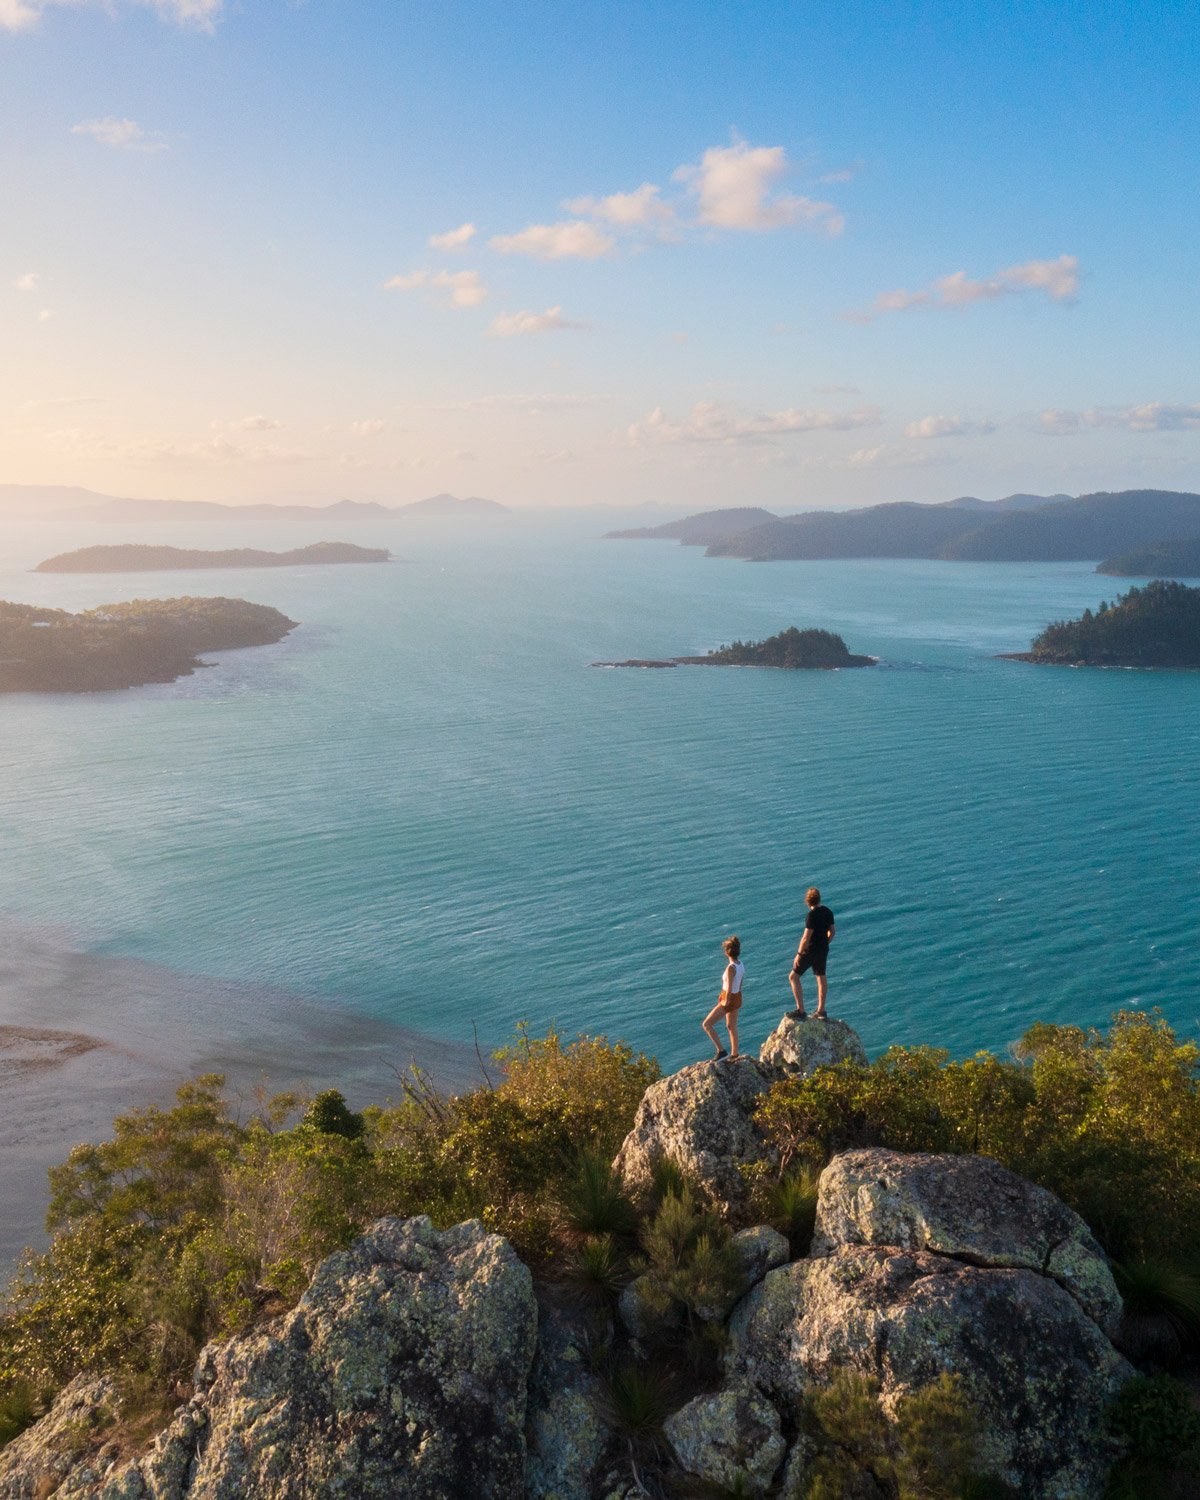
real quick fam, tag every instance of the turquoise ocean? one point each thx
(425, 807)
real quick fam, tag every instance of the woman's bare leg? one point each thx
(731, 1024)
(713, 1015)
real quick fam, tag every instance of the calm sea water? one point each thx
(425, 806)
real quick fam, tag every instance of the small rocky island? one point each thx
(125, 645)
(796, 650)
(1175, 559)
(137, 557)
(1154, 626)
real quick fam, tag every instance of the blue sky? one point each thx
(898, 252)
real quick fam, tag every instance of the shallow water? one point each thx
(425, 807)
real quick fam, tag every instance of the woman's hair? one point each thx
(732, 945)
(813, 896)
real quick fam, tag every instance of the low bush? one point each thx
(1156, 1422)
(1108, 1121)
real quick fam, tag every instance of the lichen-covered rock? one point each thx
(565, 1436)
(1037, 1370)
(62, 1447)
(702, 1119)
(759, 1250)
(402, 1371)
(798, 1047)
(643, 1314)
(969, 1207)
(729, 1439)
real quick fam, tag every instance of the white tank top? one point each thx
(735, 983)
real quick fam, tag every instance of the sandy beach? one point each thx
(85, 1036)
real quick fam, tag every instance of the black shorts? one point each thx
(811, 958)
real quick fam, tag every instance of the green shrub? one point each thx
(638, 1400)
(1155, 1419)
(1161, 1317)
(787, 1202)
(688, 1261)
(594, 1202)
(18, 1410)
(597, 1270)
(1108, 1121)
(331, 1115)
(927, 1452)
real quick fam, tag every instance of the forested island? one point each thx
(1180, 559)
(792, 649)
(1017, 528)
(125, 645)
(139, 557)
(1154, 626)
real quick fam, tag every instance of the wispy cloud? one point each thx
(1058, 279)
(453, 239)
(888, 456)
(26, 283)
(123, 135)
(463, 288)
(202, 15)
(145, 450)
(371, 427)
(715, 422)
(939, 427)
(573, 239)
(734, 188)
(643, 206)
(1155, 416)
(257, 423)
(511, 325)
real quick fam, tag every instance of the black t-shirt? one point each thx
(817, 923)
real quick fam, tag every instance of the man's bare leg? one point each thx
(797, 991)
(714, 1015)
(822, 991)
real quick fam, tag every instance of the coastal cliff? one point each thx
(705, 1316)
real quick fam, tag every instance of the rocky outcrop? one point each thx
(59, 1454)
(403, 1370)
(798, 1047)
(702, 1119)
(968, 1207)
(733, 1440)
(1037, 1370)
(759, 1250)
(566, 1437)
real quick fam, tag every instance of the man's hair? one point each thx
(813, 896)
(732, 945)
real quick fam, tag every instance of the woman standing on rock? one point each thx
(730, 1001)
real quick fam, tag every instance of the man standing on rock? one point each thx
(812, 953)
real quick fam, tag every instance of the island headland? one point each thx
(1018, 528)
(125, 645)
(1154, 626)
(141, 557)
(803, 1274)
(792, 649)
(1178, 559)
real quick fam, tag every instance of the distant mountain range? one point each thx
(45, 499)
(1018, 528)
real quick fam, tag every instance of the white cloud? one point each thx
(1058, 279)
(465, 289)
(889, 456)
(257, 423)
(26, 283)
(453, 239)
(733, 188)
(23, 15)
(713, 422)
(125, 135)
(510, 325)
(45, 315)
(937, 427)
(367, 428)
(213, 451)
(1155, 416)
(573, 239)
(644, 206)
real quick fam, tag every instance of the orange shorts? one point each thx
(730, 1003)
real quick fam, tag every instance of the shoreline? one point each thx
(87, 1036)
